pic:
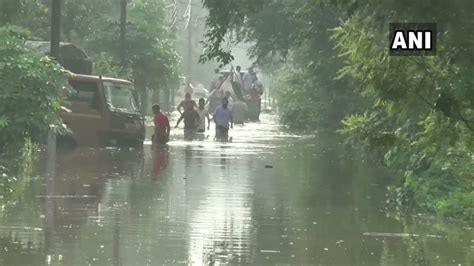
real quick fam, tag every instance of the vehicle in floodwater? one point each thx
(252, 98)
(102, 112)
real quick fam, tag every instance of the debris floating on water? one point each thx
(269, 251)
(389, 234)
(268, 166)
(436, 236)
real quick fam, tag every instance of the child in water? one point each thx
(203, 114)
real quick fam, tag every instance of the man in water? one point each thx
(215, 97)
(191, 123)
(255, 101)
(162, 126)
(203, 114)
(222, 118)
(187, 103)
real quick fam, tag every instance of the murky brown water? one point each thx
(267, 198)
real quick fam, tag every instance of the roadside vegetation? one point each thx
(30, 81)
(150, 58)
(417, 113)
(29, 97)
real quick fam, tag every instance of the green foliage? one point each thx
(104, 65)
(13, 181)
(150, 57)
(416, 112)
(10, 8)
(224, 16)
(296, 104)
(29, 90)
(80, 17)
(421, 113)
(31, 14)
(307, 103)
(308, 95)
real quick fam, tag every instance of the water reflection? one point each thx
(206, 203)
(220, 208)
(73, 191)
(160, 157)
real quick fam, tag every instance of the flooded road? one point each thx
(268, 197)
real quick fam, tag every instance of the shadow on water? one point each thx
(204, 202)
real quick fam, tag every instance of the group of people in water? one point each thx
(245, 87)
(226, 106)
(194, 117)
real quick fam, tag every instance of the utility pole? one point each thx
(170, 90)
(123, 32)
(54, 52)
(55, 36)
(55, 28)
(190, 42)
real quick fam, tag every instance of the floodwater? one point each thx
(267, 198)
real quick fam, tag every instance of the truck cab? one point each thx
(102, 112)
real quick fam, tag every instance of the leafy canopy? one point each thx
(29, 90)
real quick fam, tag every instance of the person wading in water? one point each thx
(186, 103)
(162, 126)
(191, 123)
(222, 118)
(203, 114)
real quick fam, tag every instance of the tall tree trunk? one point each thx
(190, 42)
(51, 139)
(143, 100)
(156, 98)
(55, 28)
(167, 99)
(123, 32)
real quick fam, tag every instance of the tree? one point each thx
(300, 40)
(422, 113)
(151, 58)
(29, 91)
(417, 112)
(9, 8)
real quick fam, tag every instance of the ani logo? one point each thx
(412, 39)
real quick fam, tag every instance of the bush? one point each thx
(294, 102)
(308, 101)
(29, 90)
